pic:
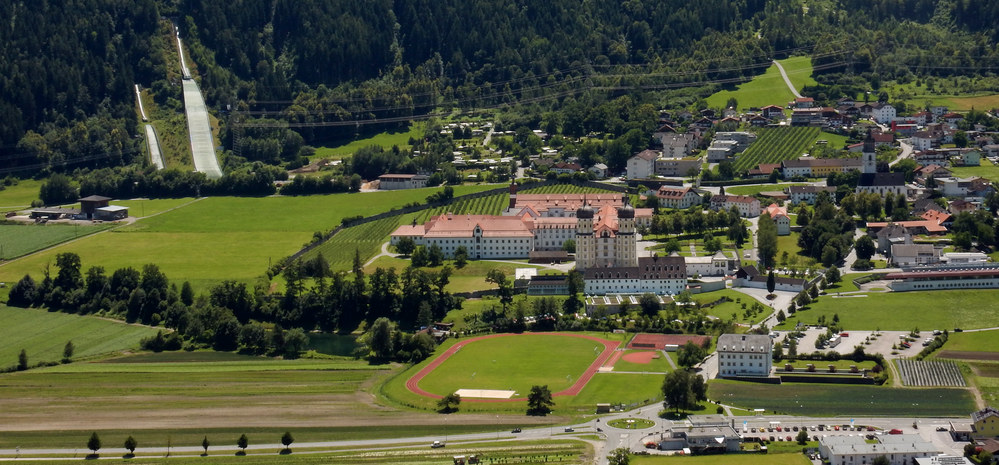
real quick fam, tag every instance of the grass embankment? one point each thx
(903, 311)
(20, 195)
(220, 238)
(756, 189)
(43, 335)
(836, 400)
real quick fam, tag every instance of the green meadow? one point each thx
(768, 88)
(43, 335)
(220, 238)
(384, 139)
(987, 170)
(925, 310)
(20, 195)
(973, 341)
(21, 239)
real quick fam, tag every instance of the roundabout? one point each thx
(631, 423)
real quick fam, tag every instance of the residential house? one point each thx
(806, 117)
(678, 145)
(932, 170)
(951, 119)
(915, 227)
(985, 423)
(763, 170)
(922, 118)
(808, 194)
(677, 197)
(810, 167)
(924, 140)
(883, 113)
(779, 215)
(599, 170)
(642, 165)
(566, 168)
(744, 355)
(889, 235)
(748, 207)
(968, 158)
(960, 205)
(677, 167)
(757, 121)
(804, 102)
(772, 112)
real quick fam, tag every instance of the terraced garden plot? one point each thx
(930, 373)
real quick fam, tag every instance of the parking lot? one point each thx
(880, 342)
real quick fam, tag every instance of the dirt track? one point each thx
(961, 355)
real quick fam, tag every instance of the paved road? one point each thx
(906, 152)
(787, 80)
(200, 130)
(153, 142)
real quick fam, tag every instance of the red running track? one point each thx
(609, 347)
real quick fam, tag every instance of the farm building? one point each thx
(111, 213)
(90, 204)
(52, 213)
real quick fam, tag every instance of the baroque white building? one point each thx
(744, 355)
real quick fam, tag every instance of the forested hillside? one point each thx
(67, 67)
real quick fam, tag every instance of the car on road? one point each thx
(941, 428)
(895, 431)
(436, 445)
(568, 429)
(515, 430)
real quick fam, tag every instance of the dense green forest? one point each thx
(325, 68)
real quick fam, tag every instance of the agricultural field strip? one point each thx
(216, 367)
(930, 373)
(20, 240)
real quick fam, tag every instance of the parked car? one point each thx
(895, 431)
(941, 428)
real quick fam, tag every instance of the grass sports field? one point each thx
(768, 88)
(835, 399)
(987, 170)
(43, 335)
(220, 237)
(905, 310)
(537, 359)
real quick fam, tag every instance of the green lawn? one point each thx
(987, 170)
(905, 310)
(835, 399)
(385, 140)
(977, 341)
(756, 189)
(846, 283)
(20, 195)
(492, 363)
(734, 305)
(768, 88)
(917, 96)
(219, 238)
(21, 239)
(730, 459)
(43, 335)
(835, 141)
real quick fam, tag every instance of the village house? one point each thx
(642, 165)
(748, 276)
(808, 194)
(748, 207)
(677, 167)
(779, 215)
(900, 449)
(402, 181)
(677, 197)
